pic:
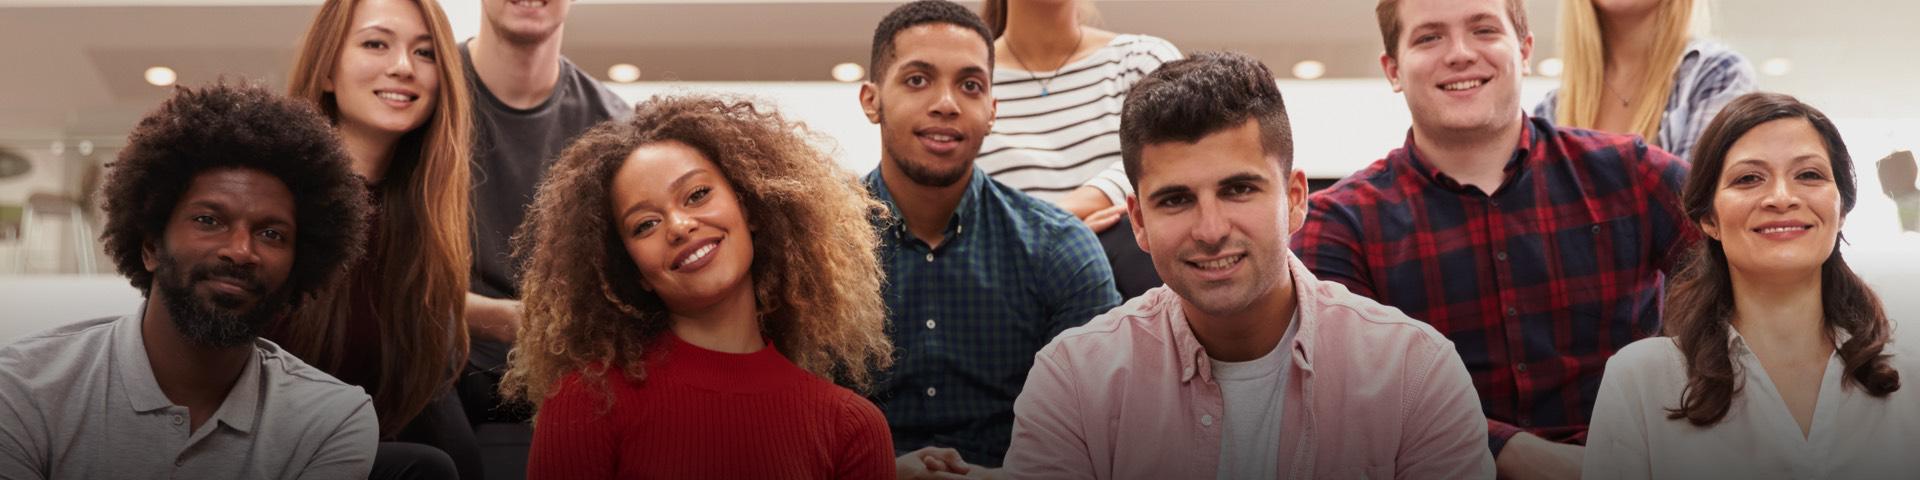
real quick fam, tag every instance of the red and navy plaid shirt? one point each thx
(1537, 284)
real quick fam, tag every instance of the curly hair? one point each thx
(223, 126)
(816, 274)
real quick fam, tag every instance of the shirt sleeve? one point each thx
(348, 452)
(1664, 175)
(1048, 440)
(1548, 105)
(572, 437)
(1721, 79)
(23, 432)
(1329, 244)
(1081, 284)
(1146, 56)
(1616, 438)
(1445, 419)
(866, 445)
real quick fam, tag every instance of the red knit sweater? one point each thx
(706, 414)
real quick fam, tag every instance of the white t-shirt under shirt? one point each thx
(1254, 391)
(1049, 145)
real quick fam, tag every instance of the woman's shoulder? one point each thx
(1128, 44)
(1648, 356)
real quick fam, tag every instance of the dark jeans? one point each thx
(1133, 272)
(442, 426)
(411, 461)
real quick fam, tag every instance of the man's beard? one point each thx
(212, 321)
(923, 174)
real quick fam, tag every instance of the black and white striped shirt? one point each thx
(1053, 143)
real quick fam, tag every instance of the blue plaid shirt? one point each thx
(1709, 76)
(967, 317)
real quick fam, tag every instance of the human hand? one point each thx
(931, 462)
(1529, 457)
(1105, 219)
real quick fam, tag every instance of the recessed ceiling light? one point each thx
(86, 147)
(849, 72)
(1552, 67)
(1776, 66)
(161, 76)
(1309, 70)
(624, 73)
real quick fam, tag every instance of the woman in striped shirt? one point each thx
(1060, 85)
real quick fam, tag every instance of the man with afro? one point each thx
(228, 207)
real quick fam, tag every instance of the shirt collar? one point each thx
(1737, 344)
(130, 357)
(1307, 303)
(239, 409)
(963, 215)
(1530, 141)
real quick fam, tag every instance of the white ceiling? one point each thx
(74, 66)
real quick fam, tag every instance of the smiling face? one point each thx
(934, 103)
(1777, 209)
(1215, 216)
(223, 261)
(1459, 65)
(682, 225)
(387, 76)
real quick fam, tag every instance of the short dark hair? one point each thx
(1186, 100)
(917, 13)
(223, 126)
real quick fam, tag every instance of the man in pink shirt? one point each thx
(1244, 365)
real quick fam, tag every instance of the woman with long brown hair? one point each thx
(387, 74)
(1643, 67)
(697, 279)
(1779, 361)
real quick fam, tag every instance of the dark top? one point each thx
(967, 317)
(511, 151)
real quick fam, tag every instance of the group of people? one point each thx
(1082, 255)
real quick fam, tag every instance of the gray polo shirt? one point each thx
(80, 401)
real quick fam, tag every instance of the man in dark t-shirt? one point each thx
(529, 103)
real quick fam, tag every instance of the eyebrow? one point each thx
(670, 187)
(1243, 177)
(275, 221)
(1476, 18)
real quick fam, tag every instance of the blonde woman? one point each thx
(697, 280)
(1639, 67)
(387, 75)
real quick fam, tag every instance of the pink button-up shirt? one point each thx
(1371, 394)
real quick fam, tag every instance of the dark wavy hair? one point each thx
(816, 272)
(1188, 99)
(914, 14)
(222, 126)
(1700, 298)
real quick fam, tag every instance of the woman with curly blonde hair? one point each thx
(698, 277)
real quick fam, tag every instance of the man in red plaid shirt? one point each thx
(1538, 250)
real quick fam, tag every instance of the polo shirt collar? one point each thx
(240, 409)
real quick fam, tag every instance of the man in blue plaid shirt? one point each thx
(979, 275)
